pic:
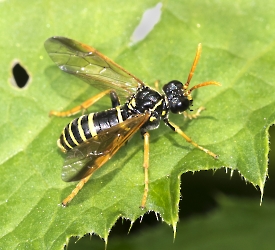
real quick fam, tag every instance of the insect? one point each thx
(92, 139)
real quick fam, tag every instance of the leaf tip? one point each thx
(175, 230)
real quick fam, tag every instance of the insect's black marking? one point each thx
(144, 100)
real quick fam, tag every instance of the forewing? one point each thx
(84, 159)
(91, 66)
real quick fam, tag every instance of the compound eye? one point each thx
(178, 105)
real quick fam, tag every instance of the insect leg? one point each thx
(193, 116)
(157, 85)
(175, 128)
(82, 106)
(76, 190)
(114, 99)
(146, 166)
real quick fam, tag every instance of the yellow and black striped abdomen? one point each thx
(87, 126)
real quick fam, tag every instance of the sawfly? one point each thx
(92, 139)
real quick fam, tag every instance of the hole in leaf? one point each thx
(149, 19)
(20, 76)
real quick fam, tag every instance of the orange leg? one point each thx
(76, 190)
(146, 166)
(193, 116)
(81, 107)
(188, 139)
(157, 85)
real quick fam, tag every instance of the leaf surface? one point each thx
(238, 51)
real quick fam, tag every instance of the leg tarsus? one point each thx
(176, 128)
(78, 187)
(193, 116)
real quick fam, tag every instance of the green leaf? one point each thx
(235, 224)
(238, 48)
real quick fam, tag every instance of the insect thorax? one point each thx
(147, 100)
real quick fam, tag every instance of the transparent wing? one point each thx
(91, 66)
(92, 154)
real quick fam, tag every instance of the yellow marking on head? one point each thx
(163, 113)
(119, 116)
(72, 135)
(91, 125)
(189, 97)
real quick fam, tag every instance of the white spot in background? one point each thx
(149, 19)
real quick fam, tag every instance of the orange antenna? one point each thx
(202, 85)
(197, 57)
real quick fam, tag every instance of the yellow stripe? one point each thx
(64, 139)
(119, 116)
(72, 135)
(133, 102)
(61, 146)
(158, 104)
(129, 106)
(80, 129)
(91, 124)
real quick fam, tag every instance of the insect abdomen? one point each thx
(87, 126)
